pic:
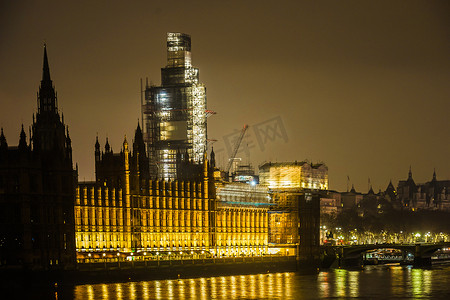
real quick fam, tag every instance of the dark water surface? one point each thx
(385, 282)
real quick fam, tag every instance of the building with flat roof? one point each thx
(294, 175)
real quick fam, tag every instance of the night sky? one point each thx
(363, 87)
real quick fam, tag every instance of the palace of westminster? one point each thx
(160, 195)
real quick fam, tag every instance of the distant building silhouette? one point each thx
(351, 199)
(434, 194)
(391, 194)
(37, 185)
(406, 190)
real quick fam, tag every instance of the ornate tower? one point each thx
(175, 112)
(40, 200)
(48, 129)
(51, 142)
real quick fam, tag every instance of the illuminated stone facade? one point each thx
(126, 212)
(165, 217)
(175, 112)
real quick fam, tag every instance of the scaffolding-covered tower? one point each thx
(174, 114)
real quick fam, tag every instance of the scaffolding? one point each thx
(287, 182)
(243, 194)
(174, 113)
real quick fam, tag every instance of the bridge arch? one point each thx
(351, 255)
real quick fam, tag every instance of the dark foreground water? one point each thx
(373, 282)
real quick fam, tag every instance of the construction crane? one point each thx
(235, 149)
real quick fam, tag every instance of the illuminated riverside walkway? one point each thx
(351, 255)
(181, 268)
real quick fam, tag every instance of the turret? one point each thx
(205, 174)
(107, 146)
(97, 150)
(139, 144)
(3, 143)
(126, 154)
(213, 159)
(22, 140)
(68, 145)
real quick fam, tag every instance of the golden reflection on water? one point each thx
(427, 281)
(203, 288)
(279, 284)
(192, 290)
(243, 288)
(233, 286)
(417, 282)
(341, 276)
(90, 292)
(288, 285)
(132, 290)
(105, 293)
(398, 281)
(269, 279)
(261, 286)
(421, 282)
(145, 292)
(252, 285)
(157, 289)
(324, 285)
(119, 291)
(169, 284)
(389, 282)
(213, 286)
(353, 283)
(181, 290)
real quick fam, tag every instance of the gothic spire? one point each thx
(139, 144)
(68, 140)
(97, 144)
(45, 67)
(47, 95)
(97, 149)
(107, 146)
(390, 185)
(23, 139)
(213, 158)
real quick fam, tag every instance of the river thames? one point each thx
(372, 282)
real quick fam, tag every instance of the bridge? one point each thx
(351, 255)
